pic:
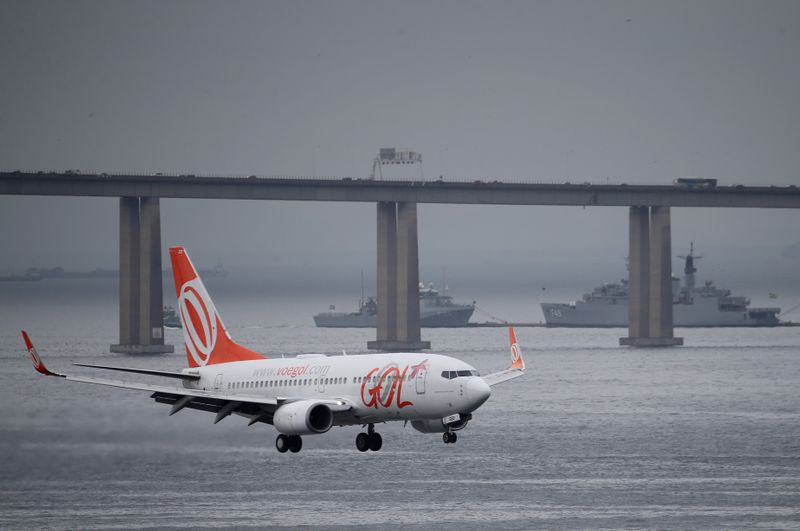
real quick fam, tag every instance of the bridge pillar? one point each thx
(141, 329)
(386, 329)
(638, 272)
(128, 271)
(398, 321)
(650, 279)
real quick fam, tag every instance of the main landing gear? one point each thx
(370, 440)
(285, 443)
(449, 437)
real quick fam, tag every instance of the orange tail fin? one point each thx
(516, 356)
(207, 341)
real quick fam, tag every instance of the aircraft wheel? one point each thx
(446, 437)
(282, 443)
(375, 441)
(295, 443)
(453, 437)
(362, 442)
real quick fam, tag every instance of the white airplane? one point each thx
(310, 393)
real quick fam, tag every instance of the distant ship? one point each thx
(216, 271)
(705, 306)
(31, 275)
(59, 273)
(436, 311)
(170, 318)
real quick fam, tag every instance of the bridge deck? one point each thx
(363, 190)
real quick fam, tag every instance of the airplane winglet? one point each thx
(517, 367)
(38, 364)
(516, 356)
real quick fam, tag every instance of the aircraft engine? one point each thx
(303, 417)
(438, 426)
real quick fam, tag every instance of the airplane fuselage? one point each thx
(382, 387)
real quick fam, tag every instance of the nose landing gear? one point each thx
(449, 437)
(370, 440)
(293, 443)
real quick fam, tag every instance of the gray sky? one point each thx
(595, 91)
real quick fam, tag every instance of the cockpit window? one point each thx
(449, 375)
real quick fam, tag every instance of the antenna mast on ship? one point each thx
(689, 269)
(361, 302)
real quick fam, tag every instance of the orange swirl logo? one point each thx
(199, 317)
(37, 362)
(514, 353)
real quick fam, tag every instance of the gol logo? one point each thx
(199, 317)
(387, 383)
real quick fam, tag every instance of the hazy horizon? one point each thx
(617, 91)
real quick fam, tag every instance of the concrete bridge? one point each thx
(650, 299)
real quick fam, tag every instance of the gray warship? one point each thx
(435, 311)
(692, 306)
(170, 318)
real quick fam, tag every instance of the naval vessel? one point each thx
(692, 306)
(435, 311)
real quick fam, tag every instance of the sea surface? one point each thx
(594, 436)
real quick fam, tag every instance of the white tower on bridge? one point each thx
(396, 157)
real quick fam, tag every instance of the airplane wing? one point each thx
(256, 408)
(517, 367)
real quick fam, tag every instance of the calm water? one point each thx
(595, 436)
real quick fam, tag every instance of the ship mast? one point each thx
(361, 302)
(689, 269)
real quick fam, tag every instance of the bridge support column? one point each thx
(398, 320)
(141, 329)
(638, 272)
(650, 279)
(386, 329)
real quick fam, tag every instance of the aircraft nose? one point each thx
(478, 391)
